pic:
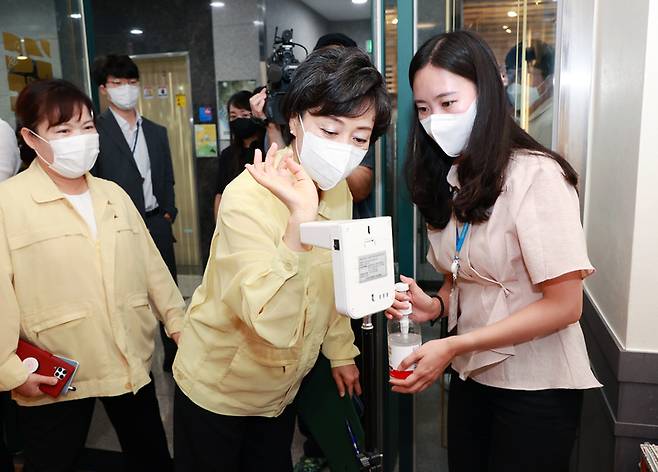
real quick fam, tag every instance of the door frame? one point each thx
(190, 110)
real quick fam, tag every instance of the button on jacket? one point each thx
(263, 312)
(77, 297)
(533, 235)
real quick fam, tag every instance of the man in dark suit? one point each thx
(134, 153)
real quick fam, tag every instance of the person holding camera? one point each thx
(246, 136)
(266, 307)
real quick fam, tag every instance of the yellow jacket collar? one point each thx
(44, 189)
(332, 202)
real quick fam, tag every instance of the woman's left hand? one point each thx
(431, 360)
(347, 378)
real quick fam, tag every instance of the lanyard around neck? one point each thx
(136, 138)
(461, 237)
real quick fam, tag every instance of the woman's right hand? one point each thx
(257, 104)
(31, 386)
(425, 308)
(288, 181)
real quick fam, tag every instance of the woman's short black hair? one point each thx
(120, 66)
(339, 81)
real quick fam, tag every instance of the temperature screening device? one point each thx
(362, 256)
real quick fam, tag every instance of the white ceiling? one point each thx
(340, 10)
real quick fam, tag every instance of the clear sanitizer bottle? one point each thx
(403, 338)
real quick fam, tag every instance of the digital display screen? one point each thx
(372, 266)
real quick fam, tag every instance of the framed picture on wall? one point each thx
(205, 140)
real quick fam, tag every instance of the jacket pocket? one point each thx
(71, 331)
(22, 240)
(141, 326)
(258, 382)
(39, 325)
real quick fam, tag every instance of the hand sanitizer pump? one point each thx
(362, 255)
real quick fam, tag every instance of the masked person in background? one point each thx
(540, 59)
(246, 136)
(504, 229)
(266, 307)
(135, 154)
(78, 270)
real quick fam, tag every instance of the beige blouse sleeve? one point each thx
(547, 223)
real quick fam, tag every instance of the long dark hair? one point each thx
(494, 137)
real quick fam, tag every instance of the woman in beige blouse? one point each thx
(504, 228)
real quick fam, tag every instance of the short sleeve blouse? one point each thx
(534, 234)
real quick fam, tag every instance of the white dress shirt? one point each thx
(140, 154)
(10, 160)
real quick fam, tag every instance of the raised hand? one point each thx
(288, 182)
(257, 104)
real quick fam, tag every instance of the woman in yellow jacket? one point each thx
(77, 272)
(266, 307)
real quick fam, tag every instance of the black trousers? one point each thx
(55, 434)
(163, 238)
(6, 457)
(209, 442)
(501, 430)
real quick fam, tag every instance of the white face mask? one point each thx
(73, 156)
(514, 95)
(451, 131)
(328, 162)
(124, 96)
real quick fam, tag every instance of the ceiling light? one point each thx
(21, 55)
(512, 14)
(217, 4)
(258, 23)
(75, 16)
(505, 27)
(136, 31)
(394, 21)
(359, 2)
(508, 31)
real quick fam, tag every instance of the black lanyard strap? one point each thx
(136, 138)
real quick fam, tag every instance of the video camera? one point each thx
(281, 67)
